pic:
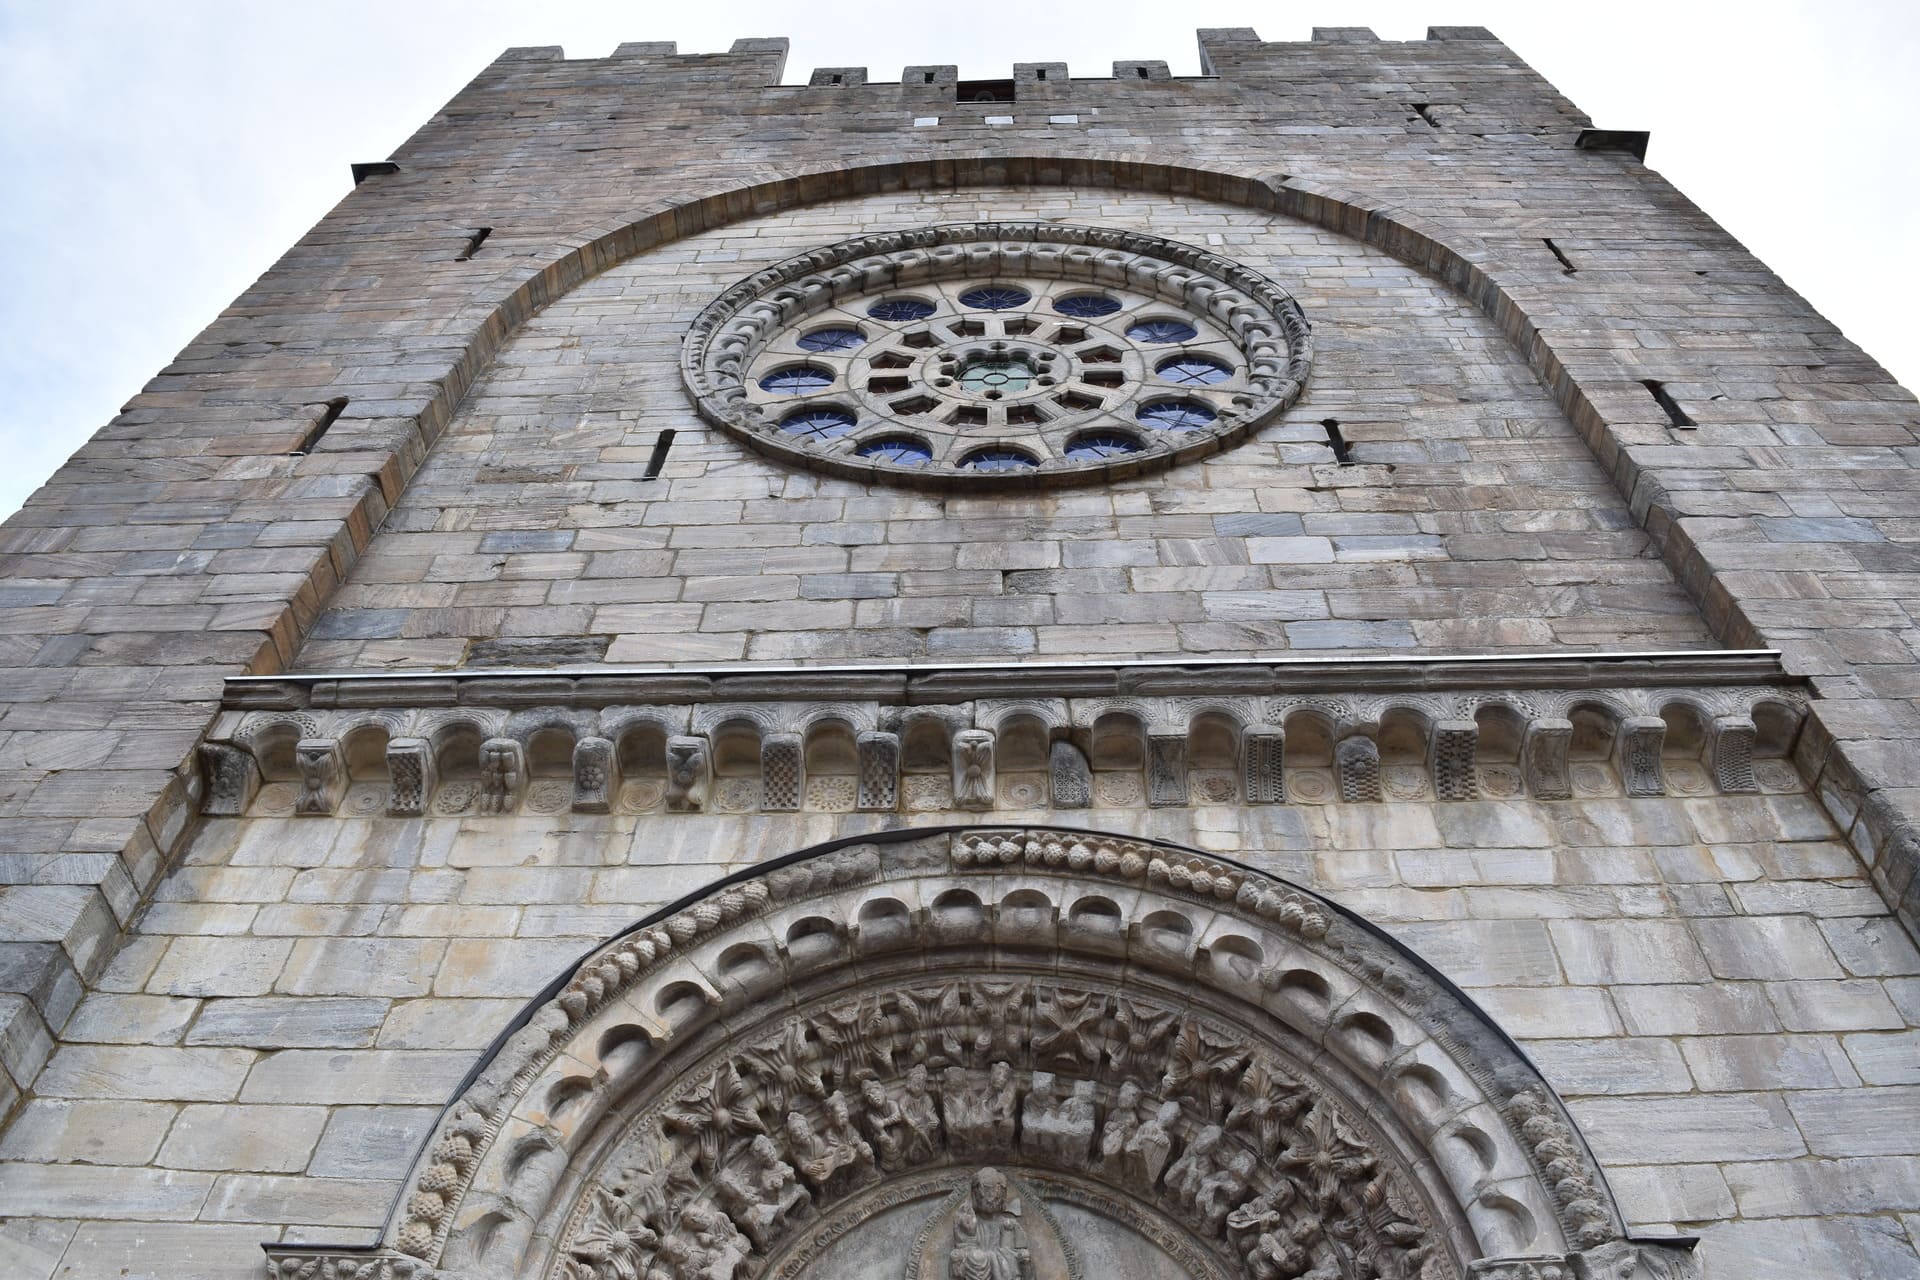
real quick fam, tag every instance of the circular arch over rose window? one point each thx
(918, 1053)
(997, 355)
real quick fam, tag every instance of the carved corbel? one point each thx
(411, 775)
(1730, 753)
(323, 775)
(232, 778)
(1636, 754)
(1166, 769)
(1543, 759)
(596, 775)
(782, 771)
(1071, 780)
(1262, 780)
(1356, 764)
(689, 772)
(973, 769)
(1450, 748)
(503, 775)
(879, 770)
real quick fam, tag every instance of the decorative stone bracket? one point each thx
(1011, 754)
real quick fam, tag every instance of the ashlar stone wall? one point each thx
(1710, 981)
(1473, 517)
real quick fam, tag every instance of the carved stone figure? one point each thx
(1262, 1214)
(921, 1116)
(1123, 1120)
(764, 1196)
(687, 774)
(989, 1238)
(232, 777)
(717, 1250)
(980, 1113)
(853, 1152)
(973, 776)
(1151, 1144)
(1195, 1165)
(883, 1120)
(1054, 1128)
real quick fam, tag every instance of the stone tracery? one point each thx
(997, 353)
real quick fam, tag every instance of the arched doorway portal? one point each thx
(1009, 1054)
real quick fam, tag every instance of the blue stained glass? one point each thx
(997, 297)
(898, 309)
(832, 340)
(998, 459)
(902, 452)
(797, 381)
(1177, 415)
(1194, 371)
(1087, 306)
(818, 424)
(1163, 331)
(1107, 445)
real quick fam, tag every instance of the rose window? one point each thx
(997, 354)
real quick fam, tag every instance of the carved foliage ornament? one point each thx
(996, 355)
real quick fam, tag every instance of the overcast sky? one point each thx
(156, 157)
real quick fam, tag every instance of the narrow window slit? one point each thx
(474, 241)
(929, 77)
(327, 415)
(658, 459)
(1566, 263)
(1141, 72)
(1040, 73)
(1658, 390)
(1342, 451)
(1425, 111)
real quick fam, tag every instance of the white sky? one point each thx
(156, 157)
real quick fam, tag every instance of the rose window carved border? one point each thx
(1283, 1013)
(997, 355)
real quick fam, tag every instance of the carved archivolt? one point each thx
(1220, 1063)
(1065, 352)
(1009, 755)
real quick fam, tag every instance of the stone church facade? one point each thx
(1303, 673)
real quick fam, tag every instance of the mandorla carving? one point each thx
(1269, 1173)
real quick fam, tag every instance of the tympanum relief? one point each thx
(1211, 1153)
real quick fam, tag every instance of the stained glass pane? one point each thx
(903, 452)
(998, 459)
(832, 340)
(997, 297)
(1194, 371)
(898, 309)
(798, 380)
(1106, 445)
(818, 424)
(995, 375)
(1177, 415)
(1087, 306)
(1163, 331)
